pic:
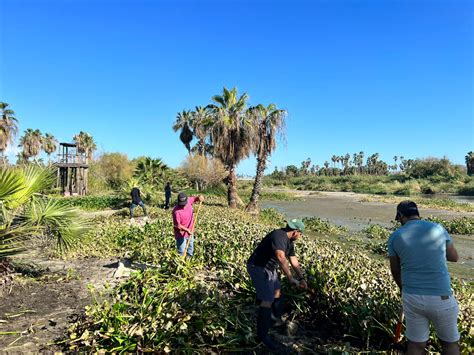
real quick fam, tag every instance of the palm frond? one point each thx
(57, 220)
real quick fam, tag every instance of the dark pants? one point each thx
(167, 201)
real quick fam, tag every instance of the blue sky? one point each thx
(393, 77)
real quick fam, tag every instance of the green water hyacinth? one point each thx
(208, 304)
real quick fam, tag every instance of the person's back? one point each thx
(421, 246)
(418, 252)
(135, 194)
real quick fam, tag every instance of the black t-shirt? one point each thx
(135, 195)
(167, 190)
(264, 255)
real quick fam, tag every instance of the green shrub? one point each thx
(94, 203)
(462, 225)
(318, 225)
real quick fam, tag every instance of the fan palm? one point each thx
(8, 128)
(232, 135)
(31, 142)
(201, 123)
(49, 145)
(269, 122)
(24, 213)
(151, 171)
(183, 123)
(85, 144)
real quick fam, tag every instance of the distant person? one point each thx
(136, 201)
(272, 253)
(167, 195)
(418, 251)
(183, 221)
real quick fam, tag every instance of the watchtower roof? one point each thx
(68, 144)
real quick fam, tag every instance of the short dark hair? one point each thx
(408, 209)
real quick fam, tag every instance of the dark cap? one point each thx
(407, 208)
(182, 199)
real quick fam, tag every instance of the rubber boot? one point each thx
(277, 311)
(264, 323)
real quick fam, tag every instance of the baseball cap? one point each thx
(182, 199)
(296, 224)
(407, 208)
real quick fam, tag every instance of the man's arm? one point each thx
(280, 254)
(451, 253)
(296, 267)
(396, 270)
(179, 226)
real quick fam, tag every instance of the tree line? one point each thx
(344, 165)
(33, 142)
(229, 130)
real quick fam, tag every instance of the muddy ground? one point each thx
(37, 309)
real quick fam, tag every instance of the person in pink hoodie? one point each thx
(183, 221)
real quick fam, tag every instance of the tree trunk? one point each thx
(252, 207)
(232, 188)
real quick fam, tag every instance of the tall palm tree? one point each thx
(269, 122)
(31, 142)
(49, 145)
(8, 128)
(85, 144)
(201, 122)
(231, 135)
(470, 163)
(183, 123)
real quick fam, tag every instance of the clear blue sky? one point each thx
(394, 77)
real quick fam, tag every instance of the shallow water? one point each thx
(347, 210)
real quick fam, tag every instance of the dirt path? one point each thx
(39, 310)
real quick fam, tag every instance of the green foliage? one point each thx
(463, 225)
(318, 225)
(436, 169)
(114, 169)
(272, 216)
(206, 304)
(376, 231)
(96, 203)
(25, 213)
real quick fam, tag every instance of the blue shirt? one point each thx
(421, 247)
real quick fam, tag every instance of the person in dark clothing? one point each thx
(136, 201)
(167, 195)
(271, 253)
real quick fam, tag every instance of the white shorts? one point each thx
(442, 311)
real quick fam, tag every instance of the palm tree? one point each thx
(24, 214)
(150, 171)
(49, 145)
(470, 163)
(231, 135)
(31, 142)
(201, 122)
(85, 144)
(8, 128)
(183, 123)
(269, 121)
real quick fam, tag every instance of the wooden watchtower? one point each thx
(72, 170)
